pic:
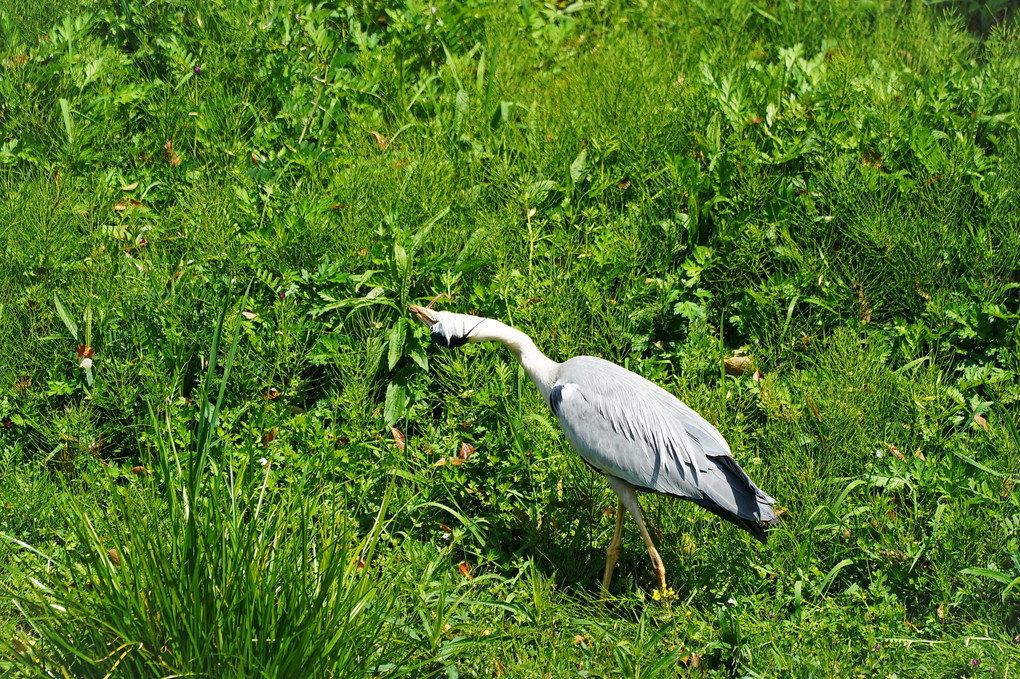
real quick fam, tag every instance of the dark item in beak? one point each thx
(424, 314)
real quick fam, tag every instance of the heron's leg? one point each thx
(613, 553)
(660, 570)
(628, 498)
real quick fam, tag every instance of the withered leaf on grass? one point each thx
(466, 451)
(980, 421)
(872, 159)
(398, 438)
(123, 205)
(380, 141)
(140, 470)
(737, 365)
(270, 394)
(895, 451)
(466, 571)
(171, 156)
(453, 461)
(269, 437)
(23, 384)
(114, 556)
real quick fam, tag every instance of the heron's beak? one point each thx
(426, 316)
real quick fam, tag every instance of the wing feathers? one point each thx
(625, 426)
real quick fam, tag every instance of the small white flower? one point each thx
(879, 454)
(263, 461)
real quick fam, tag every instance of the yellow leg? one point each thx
(628, 498)
(660, 570)
(613, 553)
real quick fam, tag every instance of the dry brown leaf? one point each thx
(270, 394)
(446, 529)
(7, 423)
(578, 639)
(123, 205)
(466, 571)
(398, 438)
(441, 462)
(23, 384)
(872, 159)
(380, 141)
(624, 183)
(895, 451)
(737, 365)
(114, 556)
(249, 315)
(466, 451)
(941, 612)
(140, 470)
(981, 422)
(85, 351)
(269, 437)
(757, 377)
(919, 454)
(168, 151)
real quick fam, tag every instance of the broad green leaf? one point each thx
(65, 113)
(397, 333)
(998, 576)
(396, 403)
(579, 165)
(69, 323)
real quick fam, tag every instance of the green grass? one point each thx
(829, 187)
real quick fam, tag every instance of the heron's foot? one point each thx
(660, 569)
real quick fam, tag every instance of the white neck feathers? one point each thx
(540, 368)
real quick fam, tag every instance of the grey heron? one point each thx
(637, 434)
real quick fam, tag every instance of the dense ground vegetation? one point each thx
(226, 451)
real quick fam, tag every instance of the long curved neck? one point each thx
(540, 368)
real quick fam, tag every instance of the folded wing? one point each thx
(625, 426)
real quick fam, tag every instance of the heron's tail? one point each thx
(752, 503)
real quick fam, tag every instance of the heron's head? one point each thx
(448, 329)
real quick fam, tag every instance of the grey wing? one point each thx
(625, 426)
